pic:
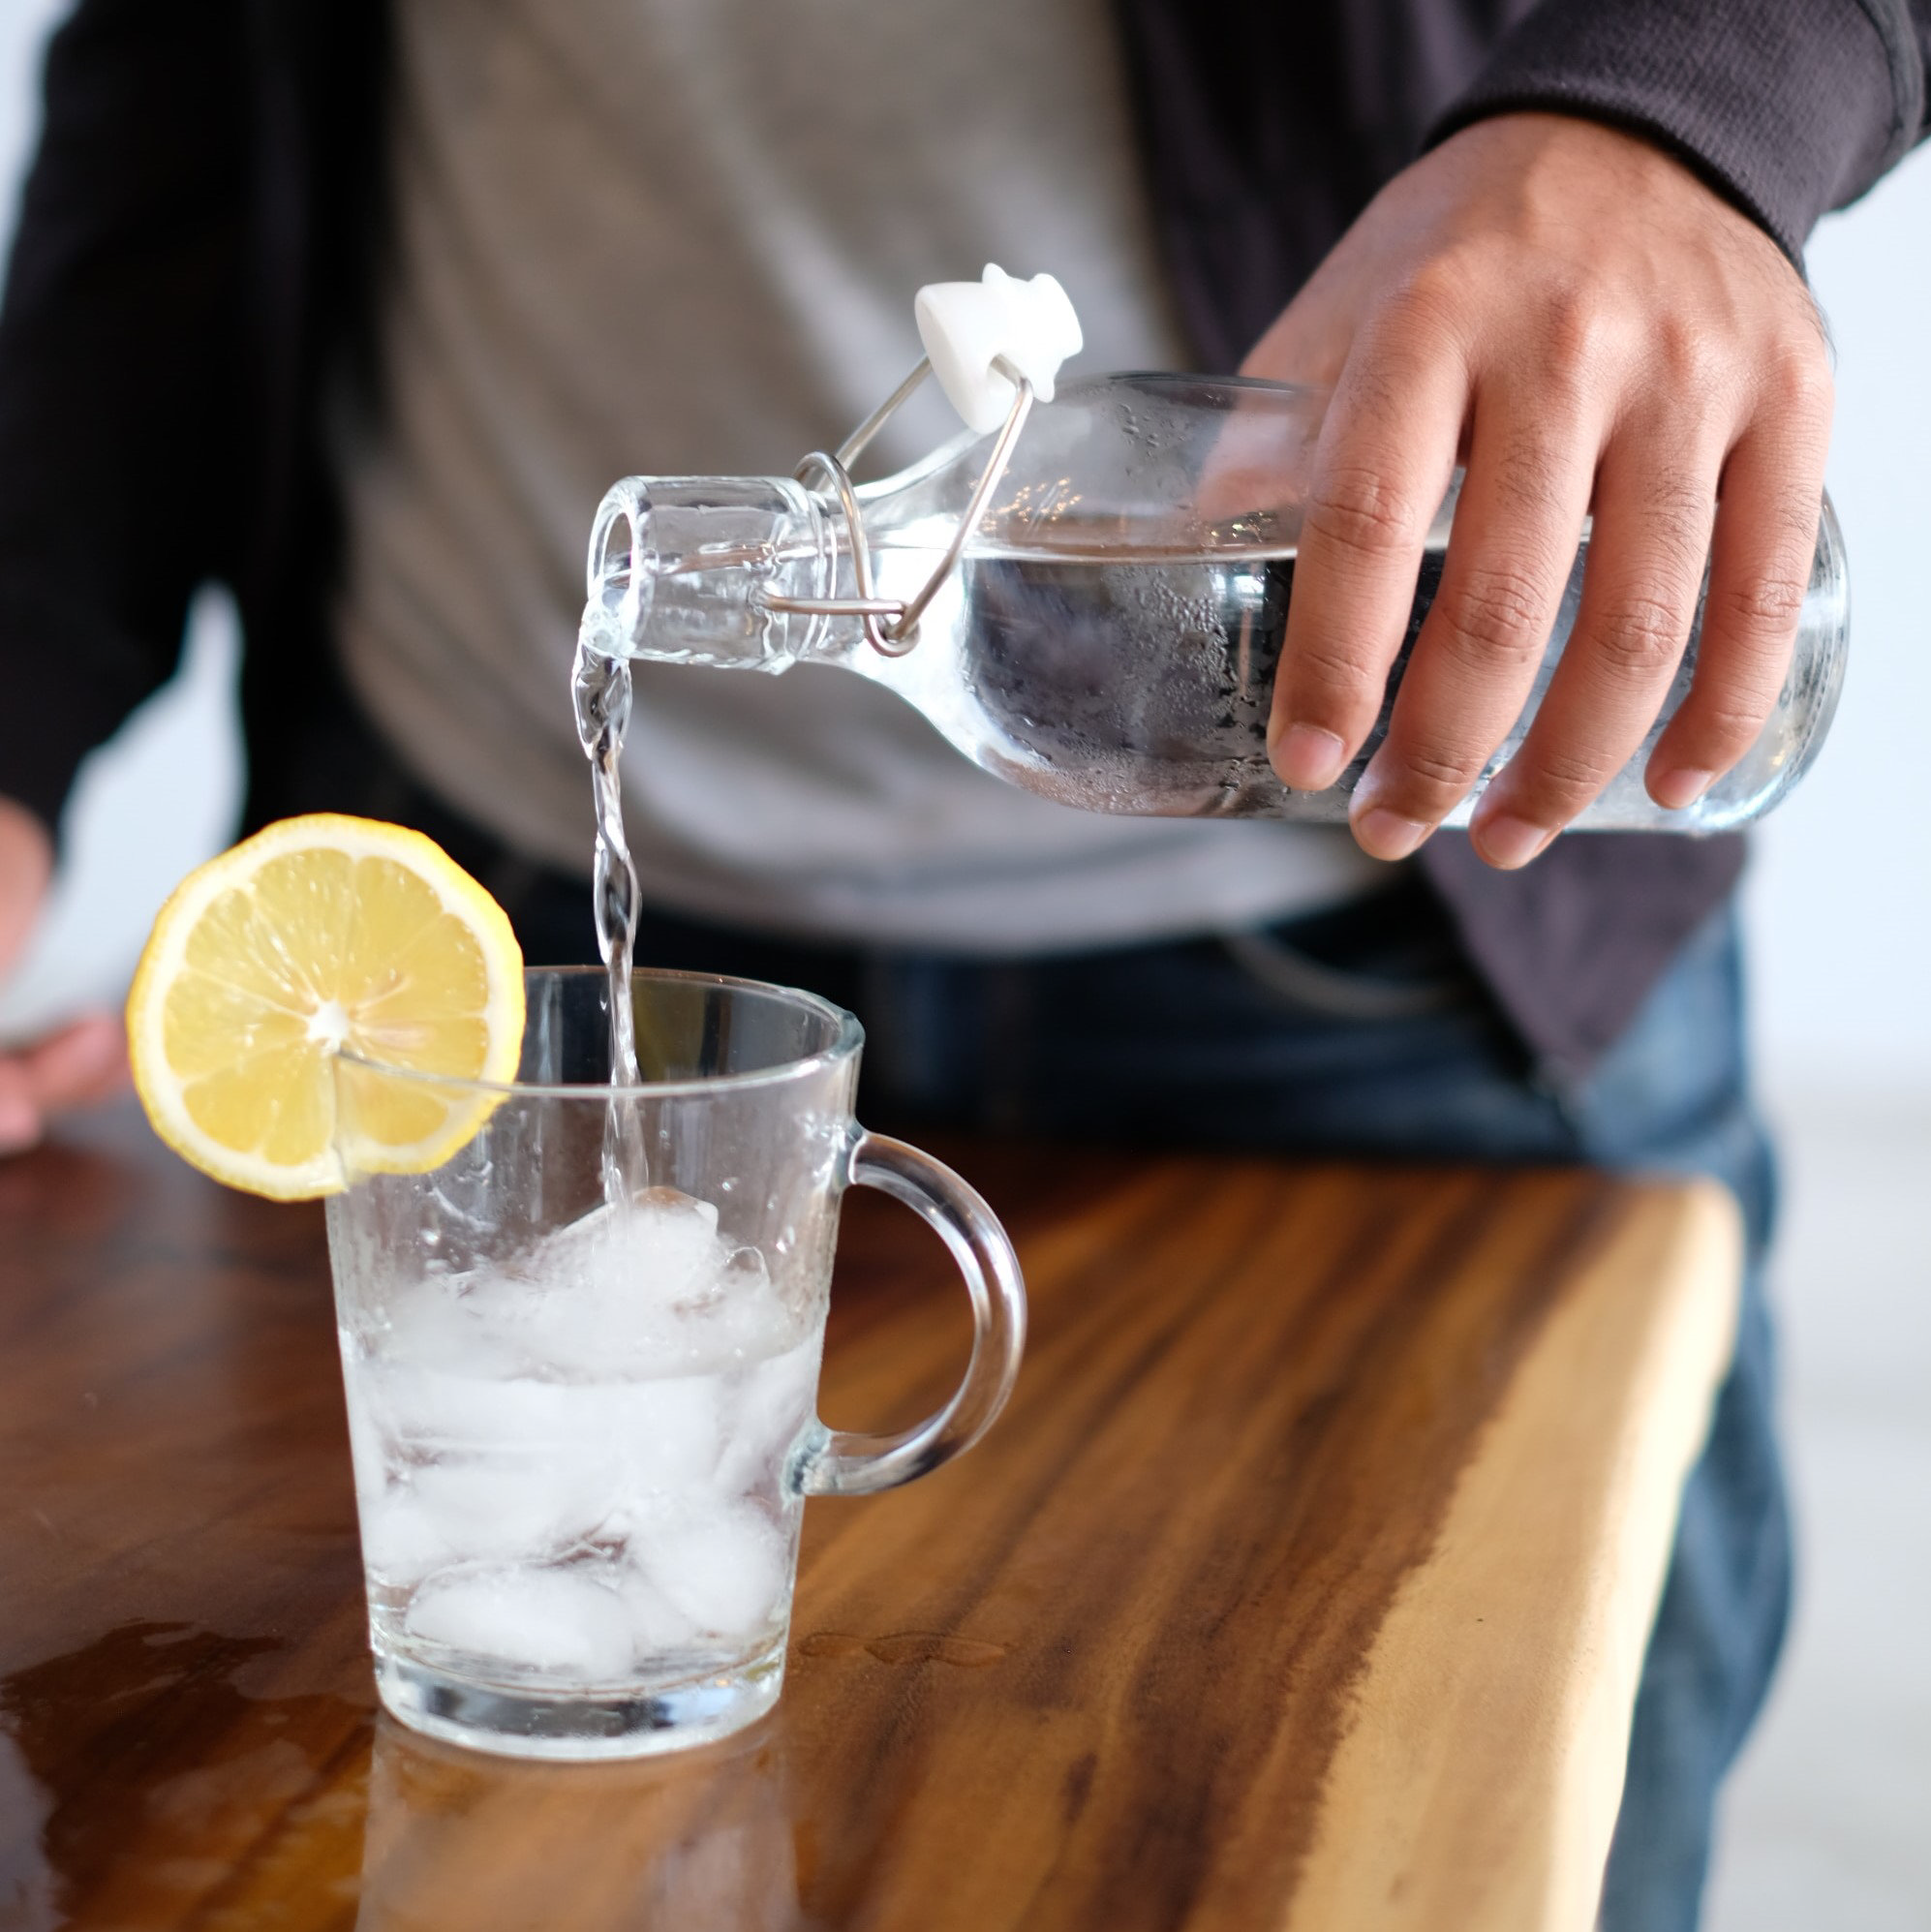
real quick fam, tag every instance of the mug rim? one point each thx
(847, 1039)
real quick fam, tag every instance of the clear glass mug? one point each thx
(583, 1432)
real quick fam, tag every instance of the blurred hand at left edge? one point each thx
(80, 1063)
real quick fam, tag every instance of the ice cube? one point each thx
(647, 1289)
(600, 1292)
(402, 1542)
(749, 1320)
(727, 1572)
(427, 1411)
(772, 1404)
(558, 1620)
(447, 1322)
(652, 1250)
(678, 1229)
(668, 1429)
(657, 1627)
(498, 1509)
(678, 1232)
(527, 1468)
(571, 1458)
(367, 1452)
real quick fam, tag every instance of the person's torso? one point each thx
(682, 237)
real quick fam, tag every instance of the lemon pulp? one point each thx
(318, 934)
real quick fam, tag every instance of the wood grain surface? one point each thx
(1304, 1584)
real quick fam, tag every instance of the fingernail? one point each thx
(1674, 791)
(1507, 842)
(1386, 835)
(1308, 759)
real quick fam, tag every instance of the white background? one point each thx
(1840, 898)
(1827, 1819)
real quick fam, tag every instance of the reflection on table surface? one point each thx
(1321, 1534)
(701, 1841)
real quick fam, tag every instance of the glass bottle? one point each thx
(1089, 601)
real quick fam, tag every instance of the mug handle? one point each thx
(838, 1462)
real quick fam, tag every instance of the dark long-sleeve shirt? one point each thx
(195, 284)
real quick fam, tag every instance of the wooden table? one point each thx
(1304, 1584)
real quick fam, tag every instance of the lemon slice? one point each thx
(317, 933)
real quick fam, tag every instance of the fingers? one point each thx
(1759, 569)
(1386, 453)
(86, 1061)
(26, 864)
(19, 1117)
(1655, 501)
(1516, 527)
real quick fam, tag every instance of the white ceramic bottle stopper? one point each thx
(964, 325)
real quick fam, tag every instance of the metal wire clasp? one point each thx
(891, 626)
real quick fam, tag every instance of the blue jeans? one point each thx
(1362, 1030)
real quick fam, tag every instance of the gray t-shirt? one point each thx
(683, 237)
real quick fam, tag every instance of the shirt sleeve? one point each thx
(1789, 108)
(121, 360)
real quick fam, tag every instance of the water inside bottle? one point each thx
(1119, 682)
(1143, 685)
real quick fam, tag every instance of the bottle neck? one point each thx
(682, 570)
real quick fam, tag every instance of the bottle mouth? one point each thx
(620, 571)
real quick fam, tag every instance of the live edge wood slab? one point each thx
(1303, 1585)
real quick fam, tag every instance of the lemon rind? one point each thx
(163, 958)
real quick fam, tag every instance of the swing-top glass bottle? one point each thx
(1090, 601)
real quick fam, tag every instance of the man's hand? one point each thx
(1581, 322)
(85, 1059)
